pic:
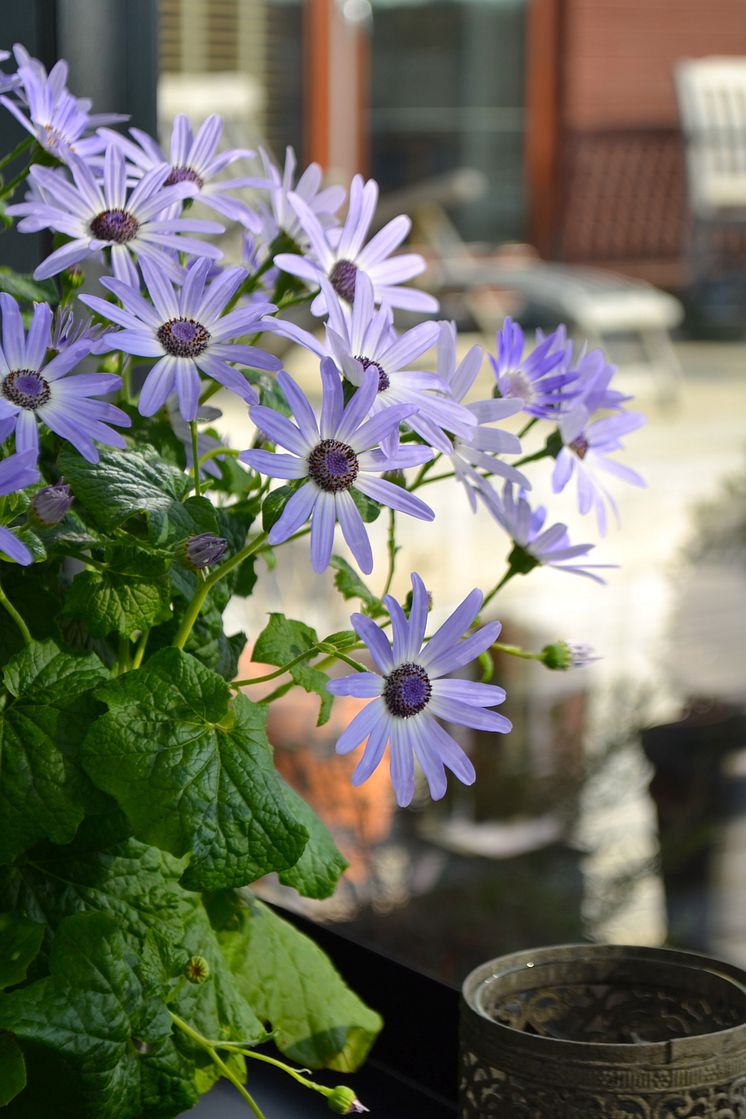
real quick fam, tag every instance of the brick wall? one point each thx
(622, 193)
(617, 56)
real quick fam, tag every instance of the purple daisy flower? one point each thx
(193, 159)
(341, 254)
(32, 388)
(479, 447)
(536, 379)
(60, 123)
(334, 455)
(409, 694)
(16, 472)
(593, 375)
(535, 545)
(278, 216)
(100, 217)
(7, 81)
(365, 338)
(67, 330)
(186, 329)
(585, 446)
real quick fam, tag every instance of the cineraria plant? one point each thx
(139, 800)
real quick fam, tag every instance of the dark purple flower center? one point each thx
(115, 225)
(580, 446)
(342, 278)
(333, 465)
(184, 175)
(383, 377)
(26, 388)
(407, 690)
(183, 337)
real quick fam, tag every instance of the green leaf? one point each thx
(125, 483)
(112, 603)
(12, 1069)
(368, 509)
(350, 585)
(20, 941)
(216, 1008)
(194, 772)
(25, 287)
(292, 985)
(42, 791)
(105, 872)
(283, 639)
(90, 1010)
(318, 870)
(41, 674)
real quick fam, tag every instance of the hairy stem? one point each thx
(202, 591)
(11, 610)
(218, 1062)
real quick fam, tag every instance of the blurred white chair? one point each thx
(712, 105)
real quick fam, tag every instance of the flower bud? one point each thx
(197, 969)
(205, 549)
(50, 505)
(343, 1101)
(567, 654)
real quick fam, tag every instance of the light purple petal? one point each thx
(361, 726)
(300, 407)
(274, 465)
(11, 546)
(376, 640)
(394, 496)
(158, 386)
(469, 691)
(449, 752)
(456, 711)
(280, 430)
(354, 532)
(364, 685)
(296, 513)
(452, 629)
(439, 661)
(402, 763)
(322, 532)
(372, 754)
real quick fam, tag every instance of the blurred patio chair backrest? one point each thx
(712, 103)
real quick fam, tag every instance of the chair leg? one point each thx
(664, 360)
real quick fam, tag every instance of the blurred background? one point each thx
(562, 160)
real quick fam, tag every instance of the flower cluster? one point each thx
(135, 523)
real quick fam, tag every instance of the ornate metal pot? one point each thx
(603, 1032)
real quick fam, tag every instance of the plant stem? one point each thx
(195, 457)
(217, 1060)
(228, 452)
(391, 549)
(140, 650)
(278, 671)
(202, 591)
(516, 651)
(10, 609)
(499, 586)
(17, 150)
(422, 472)
(432, 478)
(525, 430)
